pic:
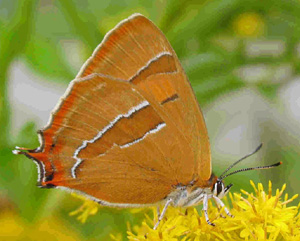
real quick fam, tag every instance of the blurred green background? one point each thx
(241, 56)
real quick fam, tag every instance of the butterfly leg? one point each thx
(163, 212)
(205, 207)
(158, 212)
(219, 201)
(219, 209)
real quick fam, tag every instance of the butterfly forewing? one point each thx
(129, 128)
(137, 51)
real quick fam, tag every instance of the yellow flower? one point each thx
(258, 216)
(46, 228)
(88, 208)
(248, 25)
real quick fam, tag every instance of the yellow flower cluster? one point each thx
(258, 216)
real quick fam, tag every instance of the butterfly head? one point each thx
(219, 189)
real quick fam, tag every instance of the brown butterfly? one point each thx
(129, 132)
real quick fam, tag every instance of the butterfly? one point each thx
(128, 131)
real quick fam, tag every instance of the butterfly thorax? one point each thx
(192, 193)
(182, 197)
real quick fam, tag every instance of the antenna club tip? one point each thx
(277, 164)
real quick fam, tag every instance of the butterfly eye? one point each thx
(220, 187)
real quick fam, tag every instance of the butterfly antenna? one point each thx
(252, 168)
(238, 161)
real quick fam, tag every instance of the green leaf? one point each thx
(211, 88)
(201, 22)
(19, 175)
(268, 90)
(13, 41)
(173, 11)
(82, 24)
(48, 59)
